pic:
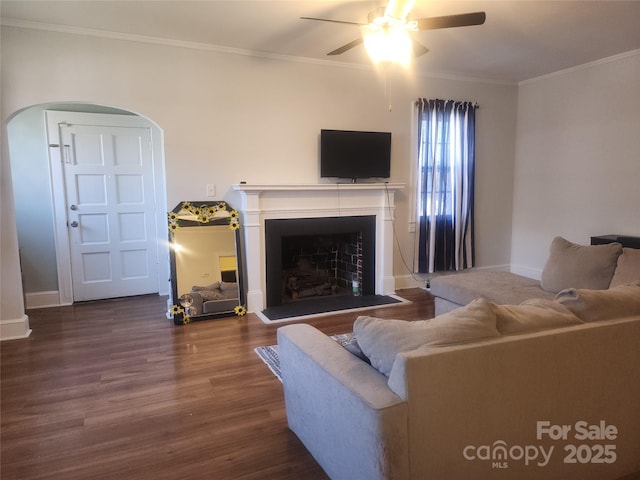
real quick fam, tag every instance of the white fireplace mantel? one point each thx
(264, 202)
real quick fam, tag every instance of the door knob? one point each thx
(73, 207)
(74, 224)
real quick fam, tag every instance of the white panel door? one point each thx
(108, 174)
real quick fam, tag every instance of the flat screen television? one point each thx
(353, 154)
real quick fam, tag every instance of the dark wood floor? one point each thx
(112, 389)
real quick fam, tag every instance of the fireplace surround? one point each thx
(260, 203)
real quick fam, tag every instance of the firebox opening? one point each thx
(314, 266)
(319, 258)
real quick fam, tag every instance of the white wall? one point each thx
(229, 117)
(32, 195)
(577, 159)
(13, 321)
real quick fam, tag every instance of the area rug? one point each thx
(269, 354)
(318, 306)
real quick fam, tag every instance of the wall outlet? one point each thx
(211, 190)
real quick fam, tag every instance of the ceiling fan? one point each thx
(389, 25)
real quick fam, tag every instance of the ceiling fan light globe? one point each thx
(388, 45)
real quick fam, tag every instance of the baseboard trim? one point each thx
(42, 299)
(14, 328)
(408, 281)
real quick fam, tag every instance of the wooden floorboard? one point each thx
(111, 389)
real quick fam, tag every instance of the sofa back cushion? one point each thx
(593, 305)
(628, 269)
(532, 315)
(211, 286)
(381, 339)
(579, 266)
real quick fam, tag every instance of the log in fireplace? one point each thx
(311, 257)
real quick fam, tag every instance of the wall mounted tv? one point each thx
(353, 154)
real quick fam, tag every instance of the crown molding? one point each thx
(130, 37)
(584, 66)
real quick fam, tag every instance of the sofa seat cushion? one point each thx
(533, 315)
(570, 265)
(628, 269)
(382, 339)
(497, 287)
(594, 305)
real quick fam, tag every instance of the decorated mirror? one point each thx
(205, 262)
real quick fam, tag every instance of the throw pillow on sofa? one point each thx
(628, 269)
(381, 339)
(579, 266)
(592, 305)
(532, 315)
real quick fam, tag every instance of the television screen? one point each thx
(352, 154)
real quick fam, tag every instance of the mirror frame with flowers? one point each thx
(202, 214)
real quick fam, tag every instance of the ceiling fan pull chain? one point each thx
(387, 85)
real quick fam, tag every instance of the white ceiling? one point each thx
(521, 39)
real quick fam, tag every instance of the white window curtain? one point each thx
(446, 158)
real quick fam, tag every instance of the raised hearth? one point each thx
(259, 203)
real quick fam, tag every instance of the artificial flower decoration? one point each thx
(240, 310)
(176, 309)
(234, 224)
(204, 213)
(173, 227)
(186, 319)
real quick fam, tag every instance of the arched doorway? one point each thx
(41, 218)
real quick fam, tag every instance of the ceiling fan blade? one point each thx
(418, 48)
(450, 21)
(332, 21)
(346, 47)
(399, 8)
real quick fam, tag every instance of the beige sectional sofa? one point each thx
(548, 389)
(513, 378)
(568, 265)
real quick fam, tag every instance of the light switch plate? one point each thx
(211, 190)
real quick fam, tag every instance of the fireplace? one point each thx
(262, 204)
(315, 257)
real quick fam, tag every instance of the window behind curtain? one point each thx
(446, 143)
